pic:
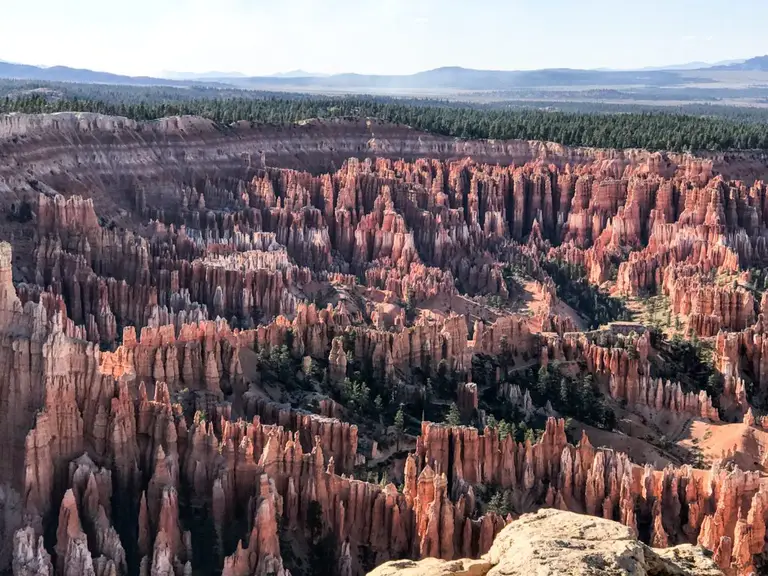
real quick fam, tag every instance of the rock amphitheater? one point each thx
(151, 274)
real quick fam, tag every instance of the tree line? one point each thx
(649, 130)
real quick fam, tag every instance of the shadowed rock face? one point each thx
(167, 269)
(553, 542)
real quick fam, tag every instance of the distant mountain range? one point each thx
(695, 65)
(450, 78)
(757, 64)
(699, 65)
(67, 74)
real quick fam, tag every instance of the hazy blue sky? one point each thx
(377, 36)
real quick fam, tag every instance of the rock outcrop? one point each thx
(555, 542)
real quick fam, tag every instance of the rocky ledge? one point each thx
(552, 542)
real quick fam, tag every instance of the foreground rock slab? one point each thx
(552, 542)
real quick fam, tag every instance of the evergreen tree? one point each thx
(498, 504)
(399, 424)
(505, 429)
(453, 418)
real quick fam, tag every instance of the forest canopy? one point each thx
(655, 130)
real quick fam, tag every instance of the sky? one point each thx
(257, 37)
